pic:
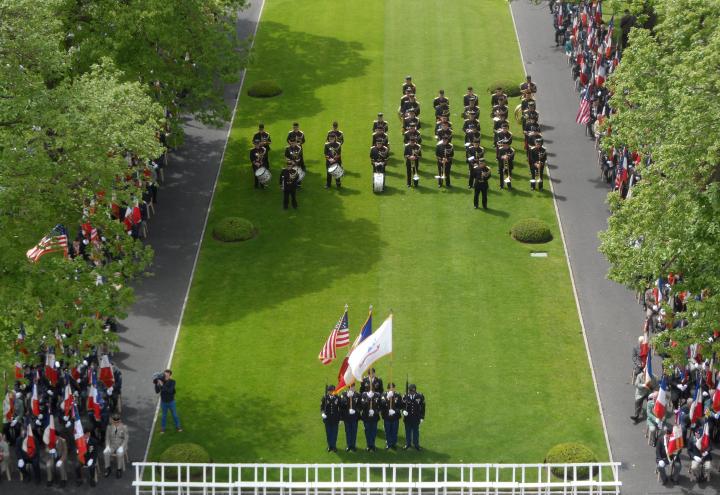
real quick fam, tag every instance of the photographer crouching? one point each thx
(165, 386)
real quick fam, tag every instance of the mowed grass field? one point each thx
(490, 335)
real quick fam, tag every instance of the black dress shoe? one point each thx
(107, 472)
(418, 448)
(62, 483)
(118, 474)
(347, 449)
(406, 447)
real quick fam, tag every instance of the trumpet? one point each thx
(506, 169)
(413, 168)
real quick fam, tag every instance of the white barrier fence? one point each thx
(370, 479)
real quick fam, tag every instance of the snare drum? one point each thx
(263, 175)
(378, 182)
(336, 170)
(416, 180)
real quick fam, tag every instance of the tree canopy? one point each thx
(665, 93)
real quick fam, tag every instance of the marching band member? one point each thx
(528, 85)
(339, 136)
(537, 158)
(412, 133)
(469, 96)
(380, 124)
(378, 158)
(472, 131)
(265, 140)
(532, 132)
(505, 157)
(258, 158)
(410, 119)
(413, 153)
(409, 104)
(408, 85)
(499, 97)
(444, 153)
(471, 111)
(289, 184)
(333, 156)
(503, 133)
(500, 111)
(530, 115)
(473, 154)
(441, 100)
(295, 140)
(479, 177)
(443, 130)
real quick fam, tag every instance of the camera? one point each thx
(158, 376)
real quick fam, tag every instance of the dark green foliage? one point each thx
(511, 88)
(566, 453)
(187, 453)
(232, 229)
(266, 88)
(531, 230)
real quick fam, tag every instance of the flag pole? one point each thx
(391, 355)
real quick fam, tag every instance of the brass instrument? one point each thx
(506, 169)
(518, 113)
(260, 158)
(413, 167)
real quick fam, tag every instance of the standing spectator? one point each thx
(414, 412)
(642, 391)
(116, 440)
(165, 386)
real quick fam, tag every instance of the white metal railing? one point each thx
(365, 479)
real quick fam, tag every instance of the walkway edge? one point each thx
(572, 276)
(202, 235)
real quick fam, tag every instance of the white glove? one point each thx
(697, 458)
(661, 464)
(390, 393)
(422, 419)
(40, 416)
(58, 464)
(107, 450)
(324, 416)
(52, 451)
(352, 411)
(37, 422)
(371, 413)
(66, 418)
(91, 462)
(120, 451)
(68, 424)
(50, 392)
(21, 463)
(391, 412)
(405, 413)
(370, 394)
(13, 422)
(110, 391)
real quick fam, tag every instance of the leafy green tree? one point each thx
(665, 91)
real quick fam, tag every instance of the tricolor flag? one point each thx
(18, 371)
(68, 401)
(704, 443)
(644, 349)
(622, 173)
(55, 241)
(366, 330)
(79, 434)
(8, 407)
(583, 114)
(661, 400)
(648, 367)
(50, 435)
(339, 337)
(598, 13)
(609, 37)
(345, 377)
(676, 442)
(696, 408)
(106, 372)
(35, 401)
(28, 443)
(371, 349)
(50, 371)
(716, 398)
(94, 400)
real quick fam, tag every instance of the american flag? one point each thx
(339, 337)
(55, 241)
(583, 114)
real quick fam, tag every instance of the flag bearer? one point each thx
(390, 405)
(414, 414)
(350, 413)
(330, 413)
(370, 414)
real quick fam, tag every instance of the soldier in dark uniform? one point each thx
(390, 407)
(258, 156)
(412, 133)
(373, 381)
(442, 111)
(294, 155)
(444, 153)
(410, 120)
(339, 136)
(410, 104)
(503, 133)
(380, 124)
(443, 130)
(333, 156)
(408, 85)
(413, 153)
(505, 156)
(500, 111)
(528, 85)
(470, 95)
(370, 415)
(440, 99)
(473, 154)
(530, 115)
(378, 161)
(537, 158)
(330, 413)
(297, 137)
(471, 111)
(350, 413)
(288, 184)
(499, 97)
(264, 139)
(480, 175)
(414, 414)
(381, 136)
(532, 132)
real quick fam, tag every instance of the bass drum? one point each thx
(378, 182)
(263, 176)
(336, 170)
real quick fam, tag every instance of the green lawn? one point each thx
(489, 334)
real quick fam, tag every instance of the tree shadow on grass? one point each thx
(300, 63)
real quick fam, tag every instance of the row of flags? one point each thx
(367, 348)
(49, 437)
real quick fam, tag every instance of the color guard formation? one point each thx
(409, 109)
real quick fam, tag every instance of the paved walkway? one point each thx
(610, 315)
(147, 335)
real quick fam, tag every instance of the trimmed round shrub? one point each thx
(531, 230)
(187, 453)
(511, 88)
(267, 88)
(566, 453)
(233, 229)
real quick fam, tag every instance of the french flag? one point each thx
(28, 444)
(94, 401)
(9, 407)
(696, 408)
(716, 399)
(18, 371)
(79, 435)
(644, 349)
(35, 401)
(50, 435)
(50, 371)
(598, 13)
(609, 37)
(68, 401)
(661, 401)
(106, 372)
(648, 367)
(676, 441)
(705, 439)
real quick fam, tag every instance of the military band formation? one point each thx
(291, 177)
(369, 406)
